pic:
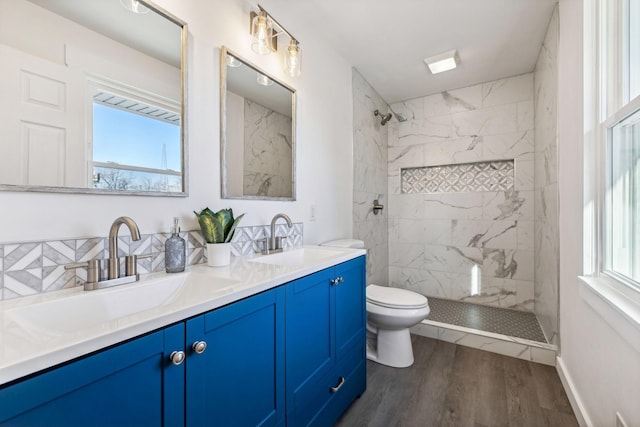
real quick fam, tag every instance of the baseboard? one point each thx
(574, 398)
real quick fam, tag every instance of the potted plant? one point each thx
(217, 229)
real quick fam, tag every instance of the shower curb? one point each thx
(533, 351)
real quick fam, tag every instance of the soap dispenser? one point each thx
(174, 250)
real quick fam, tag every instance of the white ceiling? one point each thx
(387, 40)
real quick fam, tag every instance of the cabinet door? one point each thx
(239, 379)
(132, 384)
(309, 341)
(350, 302)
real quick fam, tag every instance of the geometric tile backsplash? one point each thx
(29, 268)
(495, 175)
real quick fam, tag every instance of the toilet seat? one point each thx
(384, 296)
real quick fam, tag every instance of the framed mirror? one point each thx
(257, 125)
(93, 98)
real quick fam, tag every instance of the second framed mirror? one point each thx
(257, 126)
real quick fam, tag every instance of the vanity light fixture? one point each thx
(263, 80)
(442, 62)
(265, 31)
(134, 6)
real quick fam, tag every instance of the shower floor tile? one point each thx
(520, 324)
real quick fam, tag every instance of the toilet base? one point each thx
(390, 348)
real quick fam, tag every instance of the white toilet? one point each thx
(390, 314)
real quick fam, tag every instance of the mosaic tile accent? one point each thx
(35, 267)
(459, 178)
(502, 321)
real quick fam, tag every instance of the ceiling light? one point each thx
(263, 80)
(262, 32)
(134, 6)
(442, 62)
(233, 62)
(292, 59)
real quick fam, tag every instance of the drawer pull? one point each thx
(177, 357)
(337, 387)
(199, 347)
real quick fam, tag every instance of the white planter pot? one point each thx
(218, 254)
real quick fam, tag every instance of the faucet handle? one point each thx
(93, 269)
(278, 244)
(265, 246)
(131, 264)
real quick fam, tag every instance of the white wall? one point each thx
(324, 137)
(600, 365)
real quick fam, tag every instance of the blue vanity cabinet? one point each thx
(325, 343)
(238, 380)
(133, 383)
(293, 355)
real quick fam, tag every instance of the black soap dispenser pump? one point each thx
(175, 250)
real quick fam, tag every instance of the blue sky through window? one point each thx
(133, 139)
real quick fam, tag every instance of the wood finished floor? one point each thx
(452, 385)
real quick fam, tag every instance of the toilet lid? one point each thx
(395, 298)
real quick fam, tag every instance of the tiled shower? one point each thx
(471, 197)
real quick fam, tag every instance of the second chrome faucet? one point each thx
(274, 243)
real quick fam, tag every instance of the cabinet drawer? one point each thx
(310, 402)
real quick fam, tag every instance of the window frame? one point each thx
(607, 68)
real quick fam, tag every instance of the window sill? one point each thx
(618, 306)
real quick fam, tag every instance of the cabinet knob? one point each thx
(199, 347)
(337, 386)
(177, 357)
(337, 280)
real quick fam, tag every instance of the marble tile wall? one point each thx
(370, 177)
(29, 268)
(546, 184)
(475, 246)
(267, 152)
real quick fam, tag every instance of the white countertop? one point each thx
(41, 331)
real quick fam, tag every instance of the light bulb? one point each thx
(262, 32)
(263, 80)
(134, 6)
(293, 59)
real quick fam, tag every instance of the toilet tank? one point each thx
(345, 243)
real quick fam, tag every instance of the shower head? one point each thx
(384, 117)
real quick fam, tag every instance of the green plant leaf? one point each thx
(212, 230)
(232, 229)
(225, 216)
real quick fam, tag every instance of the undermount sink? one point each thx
(297, 257)
(89, 309)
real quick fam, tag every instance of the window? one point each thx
(632, 39)
(135, 139)
(613, 161)
(622, 201)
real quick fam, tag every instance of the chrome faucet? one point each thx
(113, 270)
(276, 243)
(94, 280)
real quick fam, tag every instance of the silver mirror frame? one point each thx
(183, 131)
(223, 129)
